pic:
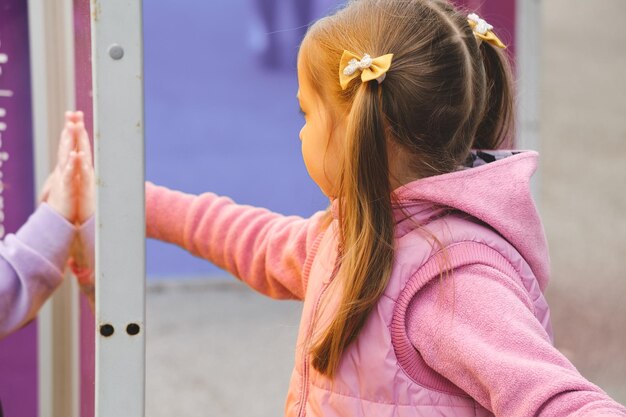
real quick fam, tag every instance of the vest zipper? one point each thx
(305, 357)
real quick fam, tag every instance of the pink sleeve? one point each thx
(268, 251)
(479, 332)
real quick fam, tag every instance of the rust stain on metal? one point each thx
(96, 10)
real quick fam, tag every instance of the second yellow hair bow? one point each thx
(484, 31)
(351, 66)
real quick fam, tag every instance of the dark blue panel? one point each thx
(216, 118)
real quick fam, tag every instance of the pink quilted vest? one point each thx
(381, 374)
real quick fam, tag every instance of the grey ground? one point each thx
(217, 349)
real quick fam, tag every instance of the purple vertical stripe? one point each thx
(501, 14)
(18, 352)
(82, 58)
(87, 360)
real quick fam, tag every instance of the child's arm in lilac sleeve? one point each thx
(480, 333)
(31, 265)
(269, 251)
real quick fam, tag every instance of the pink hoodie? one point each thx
(475, 343)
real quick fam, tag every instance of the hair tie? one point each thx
(484, 31)
(369, 68)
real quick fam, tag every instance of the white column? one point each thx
(52, 82)
(528, 73)
(116, 30)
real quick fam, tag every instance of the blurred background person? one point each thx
(278, 26)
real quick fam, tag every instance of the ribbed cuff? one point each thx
(49, 234)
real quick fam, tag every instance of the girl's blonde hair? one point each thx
(444, 94)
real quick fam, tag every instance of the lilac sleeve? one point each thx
(31, 265)
(480, 333)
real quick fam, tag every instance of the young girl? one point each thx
(423, 282)
(33, 259)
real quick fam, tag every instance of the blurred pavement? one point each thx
(583, 183)
(215, 348)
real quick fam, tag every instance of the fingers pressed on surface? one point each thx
(86, 171)
(69, 170)
(84, 168)
(77, 162)
(75, 116)
(67, 143)
(83, 143)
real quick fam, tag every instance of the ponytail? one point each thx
(497, 124)
(443, 95)
(366, 225)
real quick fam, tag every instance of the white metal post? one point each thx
(51, 41)
(528, 35)
(117, 62)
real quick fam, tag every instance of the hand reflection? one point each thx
(82, 255)
(63, 190)
(70, 191)
(33, 258)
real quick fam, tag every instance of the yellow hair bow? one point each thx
(369, 68)
(484, 31)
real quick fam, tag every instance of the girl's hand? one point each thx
(85, 183)
(80, 261)
(69, 189)
(59, 190)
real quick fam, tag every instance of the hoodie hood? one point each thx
(494, 188)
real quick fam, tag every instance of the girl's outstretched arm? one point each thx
(480, 333)
(31, 265)
(268, 251)
(32, 260)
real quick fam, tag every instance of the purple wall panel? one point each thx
(18, 352)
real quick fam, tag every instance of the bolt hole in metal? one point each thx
(107, 330)
(133, 329)
(116, 52)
